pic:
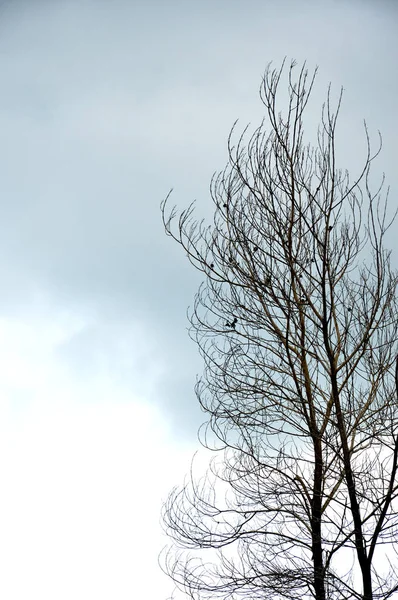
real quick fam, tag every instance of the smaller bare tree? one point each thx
(297, 325)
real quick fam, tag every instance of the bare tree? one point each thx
(297, 324)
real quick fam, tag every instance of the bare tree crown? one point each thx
(297, 324)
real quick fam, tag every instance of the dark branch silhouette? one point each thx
(302, 397)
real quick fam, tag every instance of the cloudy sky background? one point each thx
(104, 106)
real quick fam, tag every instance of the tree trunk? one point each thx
(319, 571)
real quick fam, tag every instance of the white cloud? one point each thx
(83, 469)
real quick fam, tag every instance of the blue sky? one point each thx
(104, 106)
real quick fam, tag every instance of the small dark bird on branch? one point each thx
(232, 324)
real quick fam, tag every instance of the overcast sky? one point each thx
(104, 106)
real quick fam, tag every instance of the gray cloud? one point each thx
(105, 106)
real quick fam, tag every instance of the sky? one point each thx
(105, 106)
